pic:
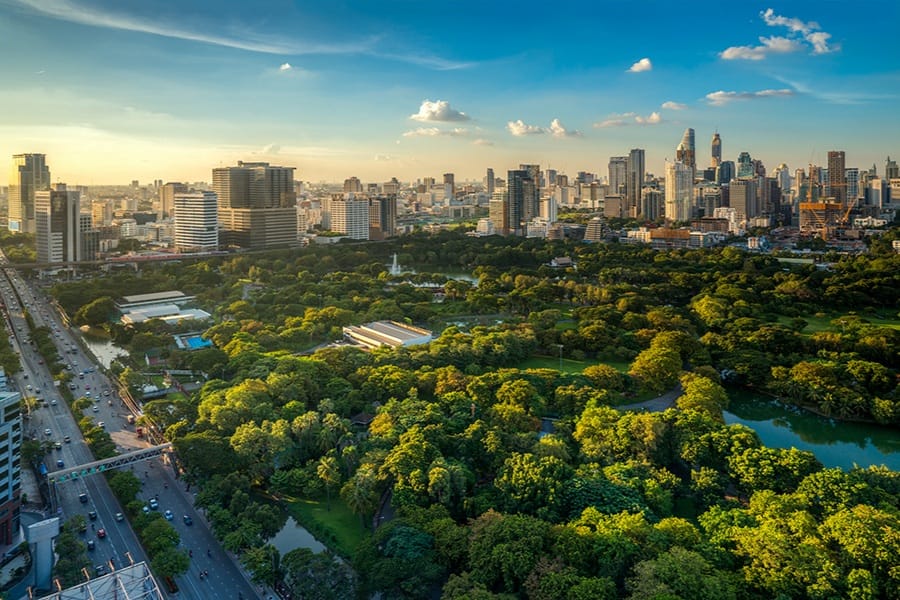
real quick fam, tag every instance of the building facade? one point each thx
(679, 191)
(29, 174)
(57, 225)
(10, 467)
(256, 195)
(196, 222)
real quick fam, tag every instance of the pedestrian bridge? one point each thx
(107, 464)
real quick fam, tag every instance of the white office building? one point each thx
(196, 222)
(679, 191)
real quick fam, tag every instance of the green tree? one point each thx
(329, 471)
(320, 576)
(656, 369)
(679, 573)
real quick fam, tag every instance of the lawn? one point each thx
(569, 365)
(822, 322)
(338, 528)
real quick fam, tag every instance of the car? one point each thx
(67, 439)
(106, 392)
(53, 402)
(28, 387)
(37, 390)
(87, 387)
(146, 509)
(48, 431)
(101, 533)
(40, 361)
(57, 445)
(60, 464)
(90, 544)
(95, 408)
(101, 424)
(87, 394)
(72, 386)
(100, 570)
(83, 498)
(154, 503)
(168, 515)
(188, 520)
(92, 515)
(120, 517)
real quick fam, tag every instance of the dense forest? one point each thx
(511, 481)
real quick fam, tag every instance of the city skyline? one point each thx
(113, 93)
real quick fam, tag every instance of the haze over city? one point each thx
(116, 92)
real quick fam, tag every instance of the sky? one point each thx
(113, 91)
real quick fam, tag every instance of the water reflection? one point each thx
(101, 346)
(294, 536)
(835, 443)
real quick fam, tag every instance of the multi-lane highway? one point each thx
(90, 496)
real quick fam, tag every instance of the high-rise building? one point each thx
(618, 167)
(743, 198)
(522, 195)
(725, 172)
(634, 180)
(652, 204)
(350, 216)
(57, 226)
(450, 179)
(382, 216)
(837, 182)
(745, 166)
(851, 176)
(686, 152)
(489, 182)
(679, 191)
(167, 198)
(391, 188)
(256, 205)
(498, 212)
(10, 465)
(29, 174)
(891, 170)
(716, 150)
(196, 222)
(352, 185)
(533, 191)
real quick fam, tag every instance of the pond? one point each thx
(835, 443)
(294, 536)
(101, 347)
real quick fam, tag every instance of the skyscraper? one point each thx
(679, 191)
(634, 180)
(256, 205)
(489, 182)
(716, 150)
(382, 216)
(196, 222)
(521, 193)
(743, 198)
(837, 181)
(10, 465)
(745, 166)
(29, 174)
(891, 170)
(685, 152)
(851, 175)
(532, 191)
(57, 226)
(618, 166)
(167, 198)
(350, 216)
(725, 172)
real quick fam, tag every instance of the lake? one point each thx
(835, 443)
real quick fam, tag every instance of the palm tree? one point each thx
(329, 471)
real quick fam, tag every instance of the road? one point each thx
(225, 580)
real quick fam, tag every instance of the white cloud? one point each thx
(795, 25)
(802, 35)
(651, 119)
(520, 128)
(436, 132)
(559, 131)
(482, 142)
(721, 98)
(438, 111)
(629, 118)
(769, 45)
(285, 67)
(674, 105)
(640, 66)
(384, 158)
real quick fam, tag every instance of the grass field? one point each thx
(569, 365)
(338, 528)
(820, 322)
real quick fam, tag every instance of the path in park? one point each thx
(658, 404)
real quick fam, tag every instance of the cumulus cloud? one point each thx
(629, 118)
(437, 132)
(802, 35)
(520, 128)
(285, 67)
(721, 98)
(640, 66)
(651, 119)
(769, 45)
(669, 105)
(558, 130)
(438, 111)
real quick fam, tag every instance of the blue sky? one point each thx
(114, 91)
